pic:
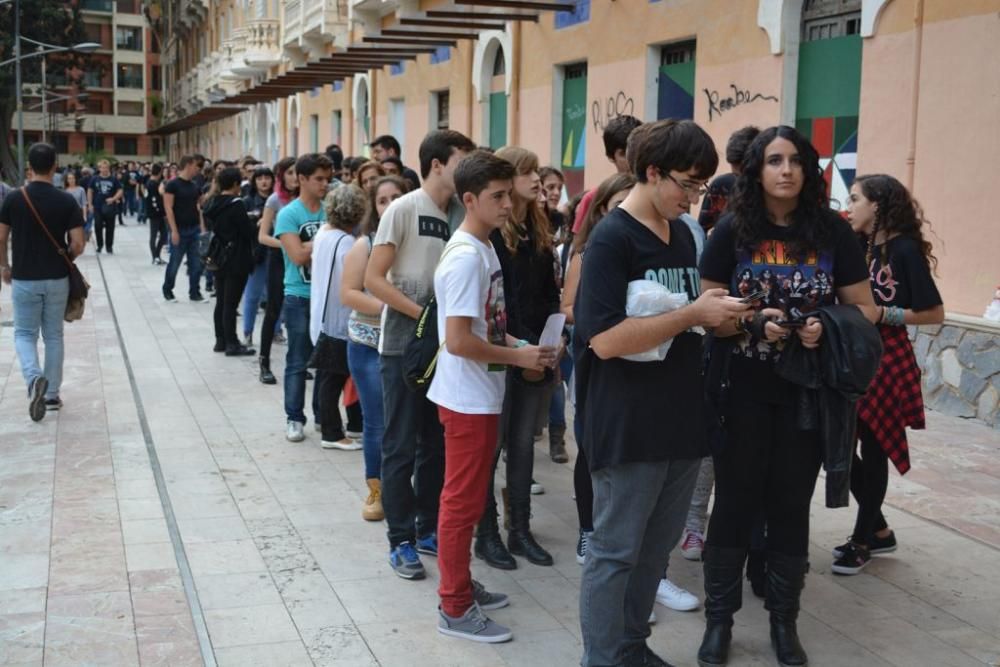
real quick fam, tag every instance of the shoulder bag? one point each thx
(329, 353)
(78, 285)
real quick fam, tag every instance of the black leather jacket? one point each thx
(831, 379)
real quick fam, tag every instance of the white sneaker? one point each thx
(652, 617)
(692, 545)
(345, 445)
(536, 488)
(294, 432)
(674, 597)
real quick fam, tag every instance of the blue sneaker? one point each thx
(405, 562)
(428, 544)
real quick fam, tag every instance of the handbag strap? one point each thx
(34, 213)
(329, 281)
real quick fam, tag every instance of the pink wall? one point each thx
(613, 89)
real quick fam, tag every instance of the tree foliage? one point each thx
(56, 22)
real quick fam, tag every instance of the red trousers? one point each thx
(469, 445)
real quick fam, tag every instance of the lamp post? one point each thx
(44, 49)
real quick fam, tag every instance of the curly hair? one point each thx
(345, 206)
(897, 213)
(811, 227)
(536, 223)
(605, 191)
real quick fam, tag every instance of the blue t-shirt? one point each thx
(297, 219)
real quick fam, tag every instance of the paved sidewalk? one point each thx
(283, 571)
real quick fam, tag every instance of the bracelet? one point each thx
(520, 343)
(896, 316)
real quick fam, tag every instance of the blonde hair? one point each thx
(535, 223)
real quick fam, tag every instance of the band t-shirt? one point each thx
(797, 286)
(186, 196)
(419, 231)
(469, 283)
(104, 187)
(295, 218)
(33, 256)
(636, 411)
(905, 281)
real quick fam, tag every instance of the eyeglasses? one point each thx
(689, 190)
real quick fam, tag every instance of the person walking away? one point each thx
(363, 333)
(778, 225)
(227, 215)
(286, 188)
(155, 213)
(469, 384)
(296, 226)
(180, 202)
(407, 246)
(642, 426)
(39, 275)
(900, 266)
(344, 207)
(103, 196)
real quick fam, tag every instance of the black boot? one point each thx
(785, 578)
(238, 350)
(723, 597)
(489, 547)
(520, 540)
(757, 572)
(266, 376)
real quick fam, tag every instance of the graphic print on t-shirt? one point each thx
(496, 316)
(430, 226)
(795, 287)
(306, 233)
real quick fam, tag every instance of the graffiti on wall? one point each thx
(718, 104)
(602, 111)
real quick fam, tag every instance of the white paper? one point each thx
(552, 333)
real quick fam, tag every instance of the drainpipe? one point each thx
(515, 86)
(470, 94)
(918, 41)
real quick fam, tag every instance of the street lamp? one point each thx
(84, 47)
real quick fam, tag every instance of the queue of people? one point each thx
(733, 386)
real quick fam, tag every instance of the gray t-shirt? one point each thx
(419, 231)
(275, 204)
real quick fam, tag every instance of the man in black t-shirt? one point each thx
(103, 195)
(39, 274)
(180, 203)
(717, 198)
(642, 429)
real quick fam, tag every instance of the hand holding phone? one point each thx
(754, 296)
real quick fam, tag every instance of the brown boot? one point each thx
(557, 444)
(372, 510)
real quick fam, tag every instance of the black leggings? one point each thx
(869, 481)
(330, 385)
(766, 463)
(583, 486)
(275, 299)
(229, 291)
(158, 236)
(104, 227)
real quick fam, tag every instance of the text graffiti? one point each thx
(603, 111)
(717, 104)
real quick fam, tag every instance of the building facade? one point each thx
(906, 87)
(111, 105)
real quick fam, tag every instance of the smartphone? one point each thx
(755, 296)
(790, 324)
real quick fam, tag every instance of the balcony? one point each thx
(311, 25)
(97, 6)
(262, 43)
(234, 49)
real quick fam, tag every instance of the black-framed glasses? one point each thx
(689, 190)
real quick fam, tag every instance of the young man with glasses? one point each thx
(642, 478)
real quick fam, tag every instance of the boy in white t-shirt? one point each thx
(468, 386)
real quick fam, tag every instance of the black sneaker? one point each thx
(876, 545)
(197, 298)
(169, 296)
(240, 351)
(219, 346)
(854, 560)
(36, 408)
(53, 404)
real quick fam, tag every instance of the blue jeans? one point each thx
(363, 362)
(131, 201)
(189, 247)
(39, 305)
(252, 295)
(296, 313)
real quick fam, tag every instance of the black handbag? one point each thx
(329, 353)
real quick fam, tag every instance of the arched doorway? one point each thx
(293, 127)
(362, 115)
(498, 100)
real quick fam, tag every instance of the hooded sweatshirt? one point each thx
(226, 216)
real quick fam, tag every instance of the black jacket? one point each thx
(831, 379)
(226, 216)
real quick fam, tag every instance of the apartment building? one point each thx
(121, 90)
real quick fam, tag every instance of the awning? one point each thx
(200, 117)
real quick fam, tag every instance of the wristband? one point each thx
(520, 343)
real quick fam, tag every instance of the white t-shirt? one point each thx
(419, 231)
(469, 283)
(337, 314)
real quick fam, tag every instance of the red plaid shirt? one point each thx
(894, 400)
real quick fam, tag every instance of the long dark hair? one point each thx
(283, 165)
(896, 213)
(811, 227)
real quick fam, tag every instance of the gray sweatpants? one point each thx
(639, 513)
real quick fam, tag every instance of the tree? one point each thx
(55, 22)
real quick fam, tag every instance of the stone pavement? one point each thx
(273, 565)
